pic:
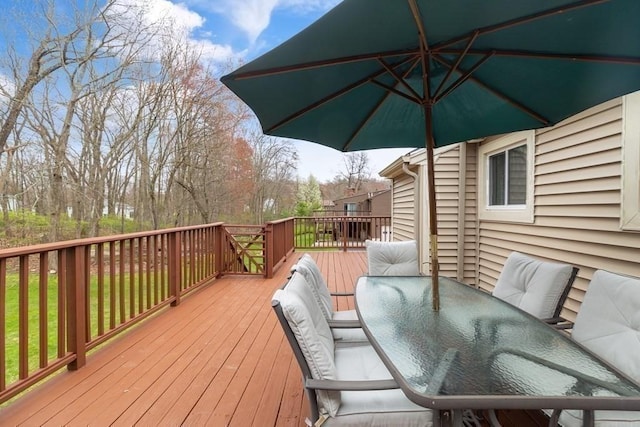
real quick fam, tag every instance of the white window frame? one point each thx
(506, 213)
(630, 207)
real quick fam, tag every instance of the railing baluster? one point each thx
(62, 303)
(132, 279)
(3, 332)
(137, 269)
(112, 285)
(23, 310)
(163, 265)
(100, 262)
(121, 291)
(43, 314)
(147, 269)
(87, 286)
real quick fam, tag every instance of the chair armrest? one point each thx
(353, 385)
(559, 323)
(344, 324)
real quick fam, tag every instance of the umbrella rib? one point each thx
(330, 97)
(461, 56)
(462, 78)
(522, 20)
(399, 79)
(353, 136)
(391, 89)
(319, 64)
(625, 60)
(501, 95)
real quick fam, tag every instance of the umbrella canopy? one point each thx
(427, 73)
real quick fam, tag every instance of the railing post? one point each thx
(76, 310)
(219, 250)
(175, 266)
(268, 250)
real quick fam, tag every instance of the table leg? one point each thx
(456, 418)
(447, 418)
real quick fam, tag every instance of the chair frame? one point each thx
(311, 384)
(557, 320)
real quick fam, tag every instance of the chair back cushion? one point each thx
(309, 269)
(313, 335)
(532, 285)
(608, 322)
(392, 258)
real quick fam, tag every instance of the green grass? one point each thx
(12, 317)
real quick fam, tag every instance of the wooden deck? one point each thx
(218, 359)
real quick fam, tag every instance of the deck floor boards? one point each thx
(217, 359)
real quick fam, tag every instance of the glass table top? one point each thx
(479, 352)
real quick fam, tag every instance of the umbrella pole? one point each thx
(433, 220)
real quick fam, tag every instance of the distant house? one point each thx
(370, 212)
(373, 204)
(573, 197)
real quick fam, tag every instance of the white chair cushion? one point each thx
(392, 258)
(376, 407)
(348, 336)
(313, 335)
(573, 418)
(608, 323)
(532, 285)
(309, 269)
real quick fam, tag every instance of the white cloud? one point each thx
(254, 16)
(177, 23)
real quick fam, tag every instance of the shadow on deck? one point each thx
(217, 359)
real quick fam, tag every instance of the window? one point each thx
(630, 210)
(506, 178)
(350, 209)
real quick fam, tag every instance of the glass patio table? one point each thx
(479, 352)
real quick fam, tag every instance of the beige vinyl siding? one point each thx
(577, 207)
(456, 209)
(470, 218)
(403, 208)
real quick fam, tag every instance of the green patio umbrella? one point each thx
(427, 73)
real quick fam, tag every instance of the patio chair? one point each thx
(608, 323)
(346, 385)
(344, 323)
(537, 287)
(392, 258)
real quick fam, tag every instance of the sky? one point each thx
(241, 30)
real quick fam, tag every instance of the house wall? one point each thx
(456, 220)
(456, 209)
(381, 204)
(403, 218)
(577, 205)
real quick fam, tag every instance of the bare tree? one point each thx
(274, 164)
(356, 170)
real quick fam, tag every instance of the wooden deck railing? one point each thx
(58, 301)
(340, 232)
